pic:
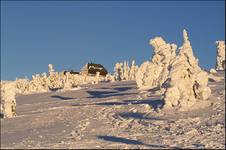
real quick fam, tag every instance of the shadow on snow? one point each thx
(62, 97)
(104, 94)
(155, 103)
(129, 141)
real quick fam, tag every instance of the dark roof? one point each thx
(93, 68)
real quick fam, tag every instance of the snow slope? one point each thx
(113, 115)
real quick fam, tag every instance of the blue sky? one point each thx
(70, 34)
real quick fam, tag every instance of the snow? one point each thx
(114, 115)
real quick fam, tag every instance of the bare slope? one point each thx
(113, 115)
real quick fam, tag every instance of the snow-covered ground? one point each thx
(113, 115)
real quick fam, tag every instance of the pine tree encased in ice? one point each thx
(187, 82)
(124, 72)
(152, 74)
(220, 64)
(8, 100)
